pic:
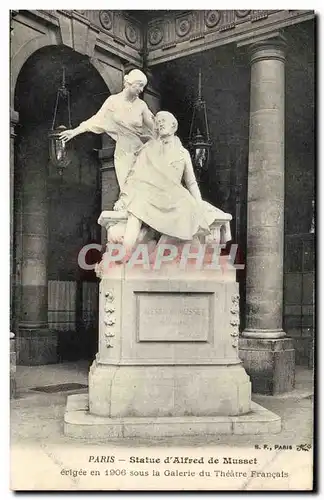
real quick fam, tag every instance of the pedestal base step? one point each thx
(79, 423)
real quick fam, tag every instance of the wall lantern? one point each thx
(199, 139)
(58, 151)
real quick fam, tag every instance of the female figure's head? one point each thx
(134, 83)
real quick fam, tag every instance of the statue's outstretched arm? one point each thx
(98, 123)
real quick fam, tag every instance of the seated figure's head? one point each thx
(166, 123)
(135, 82)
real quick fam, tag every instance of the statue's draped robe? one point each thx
(124, 124)
(154, 192)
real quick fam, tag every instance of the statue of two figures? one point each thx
(160, 200)
(168, 340)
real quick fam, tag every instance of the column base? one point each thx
(36, 347)
(263, 334)
(269, 363)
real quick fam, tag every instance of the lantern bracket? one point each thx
(58, 153)
(199, 138)
(62, 93)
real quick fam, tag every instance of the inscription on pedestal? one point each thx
(173, 317)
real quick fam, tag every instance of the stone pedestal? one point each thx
(265, 223)
(165, 346)
(168, 360)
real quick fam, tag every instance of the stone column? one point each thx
(35, 343)
(267, 354)
(14, 117)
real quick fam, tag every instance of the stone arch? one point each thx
(30, 47)
(32, 180)
(21, 56)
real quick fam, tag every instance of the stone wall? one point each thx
(299, 278)
(299, 261)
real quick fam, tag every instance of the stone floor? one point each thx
(43, 458)
(38, 416)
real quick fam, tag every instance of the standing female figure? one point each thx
(125, 118)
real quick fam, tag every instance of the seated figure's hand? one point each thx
(67, 135)
(119, 205)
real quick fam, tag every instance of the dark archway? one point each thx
(55, 216)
